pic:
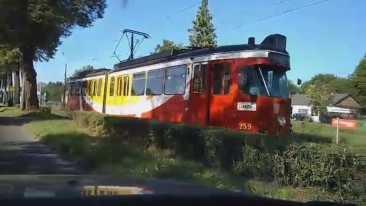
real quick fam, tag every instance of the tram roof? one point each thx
(89, 73)
(269, 43)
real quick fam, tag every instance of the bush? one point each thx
(308, 119)
(325, 165)
(45, 109)
(302, 165)
(282, 160)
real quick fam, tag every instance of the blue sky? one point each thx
(325, 38)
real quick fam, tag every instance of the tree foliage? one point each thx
(359, 82)
(167, 45)
(319, 79)
(334, 84)
(319, 97)
(293, 88)
(202, 34)
(83, 69)
(9, 57)
(54, 91)
(36, 27)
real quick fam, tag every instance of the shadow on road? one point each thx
(21, 154)
(27, 157)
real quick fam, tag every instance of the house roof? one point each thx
(302, 99)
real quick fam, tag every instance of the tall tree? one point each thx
(36, 27)
(359, 82)
(202, 34)
(167, 45)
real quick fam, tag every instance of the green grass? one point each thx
(9, 111)
(354, 138)
(96, 155)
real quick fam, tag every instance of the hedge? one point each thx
(287, 161)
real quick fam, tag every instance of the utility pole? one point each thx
(65, 82)
(40, 94)
(133, 45)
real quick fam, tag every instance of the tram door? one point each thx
(198, 106)
(210, 88)
(219, 78)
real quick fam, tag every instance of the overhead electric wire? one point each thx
(258, 20)
(282, 13)
(282, 1)
(167, 17)
(186, 8)
(199, 2)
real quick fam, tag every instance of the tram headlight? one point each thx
(281, 121)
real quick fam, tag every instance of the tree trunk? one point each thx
(8, 86)
(5, 83)
(22, 102)
(2, 89)
(30, 79)
(16, 87)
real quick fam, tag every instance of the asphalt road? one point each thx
(20, 153)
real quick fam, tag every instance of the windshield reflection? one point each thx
(276, 81)
(263, 81)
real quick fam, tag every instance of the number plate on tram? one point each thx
(247, 106)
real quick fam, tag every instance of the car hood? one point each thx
(95, 185)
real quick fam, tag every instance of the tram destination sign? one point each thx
(279, 58)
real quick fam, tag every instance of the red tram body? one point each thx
(239, 87)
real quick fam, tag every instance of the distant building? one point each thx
(340, 103)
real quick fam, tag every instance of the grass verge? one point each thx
(354, 138)
(9, 111)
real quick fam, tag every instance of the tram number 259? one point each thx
(245, 126)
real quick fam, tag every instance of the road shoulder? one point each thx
(22, 153)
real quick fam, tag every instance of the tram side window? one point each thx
(94, 87)
(119, 86)
(90, 88)
(217, 78)
(154, 82)
(222, 79)
(199, 79)
(227, 78)
(138, 84)
(83, 88)
(126, 85)
(86, 87)
(71, 88)
(99, 86)
(111, 87)
(77, 88)
(175, 80)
